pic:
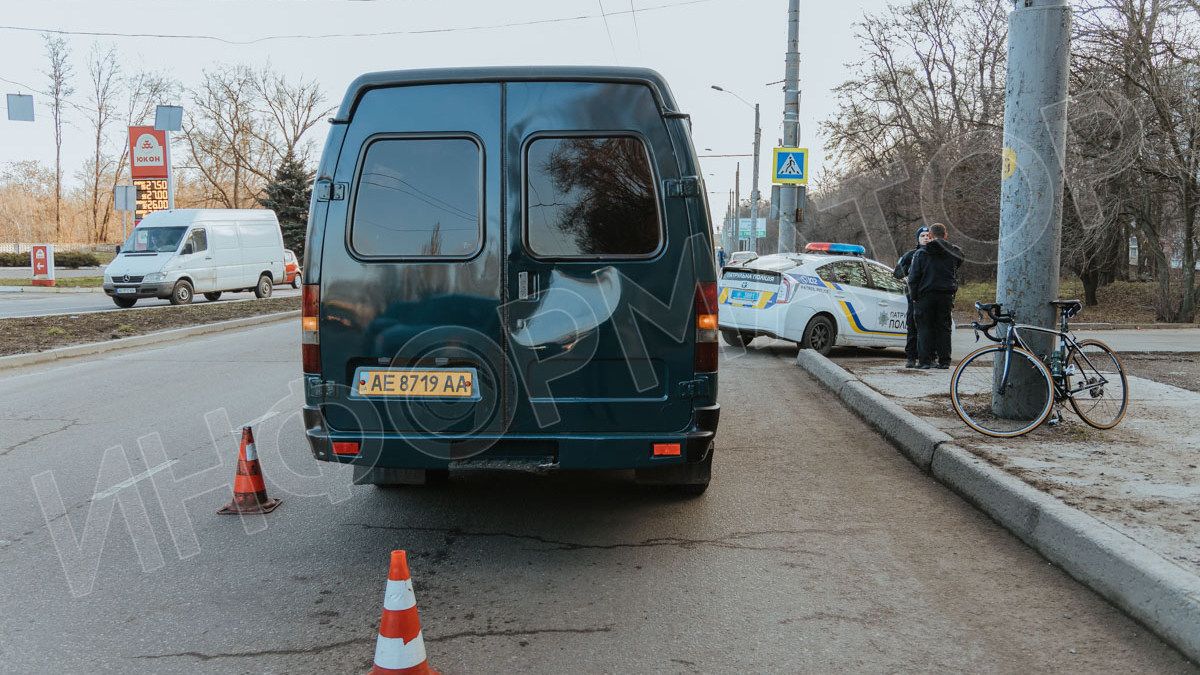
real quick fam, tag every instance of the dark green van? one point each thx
(511, 268)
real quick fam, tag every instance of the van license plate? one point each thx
(456, 383)
(127, 290)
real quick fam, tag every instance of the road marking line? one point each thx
(256, 420)
(131, 481)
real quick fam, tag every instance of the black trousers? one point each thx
(910, 343)
(933, 327)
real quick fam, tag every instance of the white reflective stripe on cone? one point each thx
(251, 453)
(393, 653)
(398, 595)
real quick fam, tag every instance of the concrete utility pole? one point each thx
(791, 196)
(754, 186)
(1031, 194)
(737, 201)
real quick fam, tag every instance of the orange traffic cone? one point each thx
(249, 492)
(400, 648)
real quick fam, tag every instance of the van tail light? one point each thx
(706, 327)
(310, 337)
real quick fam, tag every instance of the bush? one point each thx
(73, 259)
(14, 260)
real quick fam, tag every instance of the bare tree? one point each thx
(241, 126)
(291, 111)
(104, 83)
(59, 75)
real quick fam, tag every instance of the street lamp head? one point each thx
(717, 88)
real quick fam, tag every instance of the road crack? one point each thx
(515, 632)
(733, 540)
(263, 652)
(38, 437)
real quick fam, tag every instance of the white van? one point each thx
(178, 253)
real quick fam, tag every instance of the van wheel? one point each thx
(689, 479)
(264, 287)
(297, 282)
(182, 294)
(819, 335)
(212, 297)
(124, 303)
(735, 339)
(383, 477)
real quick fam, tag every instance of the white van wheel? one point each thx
(182, 294)
(297, 282)
(212, 297)
(264, 287)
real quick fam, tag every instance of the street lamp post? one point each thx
(754, 196)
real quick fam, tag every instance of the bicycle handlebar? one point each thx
(997, 317)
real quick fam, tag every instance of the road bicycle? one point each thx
(1005, 390)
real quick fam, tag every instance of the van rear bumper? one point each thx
(542, 451)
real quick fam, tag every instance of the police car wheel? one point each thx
(734, 338)
(819, 335)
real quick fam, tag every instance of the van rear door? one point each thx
(410, 277)
(600, 264)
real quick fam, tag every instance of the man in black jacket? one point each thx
(901, 272)
(933, 281)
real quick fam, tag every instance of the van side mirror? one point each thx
(116, 249)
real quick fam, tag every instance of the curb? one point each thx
(1161, 595)
(91, 348)
(48, 289)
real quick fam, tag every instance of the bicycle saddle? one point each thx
(1068, 307)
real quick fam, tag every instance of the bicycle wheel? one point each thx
(1025, 401)
(1104, 397)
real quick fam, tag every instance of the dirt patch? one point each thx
(36, 334)
(1177, 369)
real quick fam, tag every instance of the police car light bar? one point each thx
(826, 247)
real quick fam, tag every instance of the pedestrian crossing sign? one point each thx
(791, 166)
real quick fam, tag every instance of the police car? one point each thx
(830, 295)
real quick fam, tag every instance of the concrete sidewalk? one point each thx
(1122, 340)
(1117, 509)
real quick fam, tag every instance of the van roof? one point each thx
(391, 78)
(189, 216)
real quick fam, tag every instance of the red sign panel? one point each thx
(41, 260)
(147, 153)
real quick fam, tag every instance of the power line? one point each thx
(604, 15)
(321, 36)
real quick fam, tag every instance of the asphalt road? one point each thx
(42, 304)
(818, 548)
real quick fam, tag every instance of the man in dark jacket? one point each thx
(933, 281)
(901, 272)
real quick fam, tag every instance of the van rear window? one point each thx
(418, 197)
(590, 196)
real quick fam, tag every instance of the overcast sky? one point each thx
(738, 44)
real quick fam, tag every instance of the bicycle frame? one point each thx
(1066, 345)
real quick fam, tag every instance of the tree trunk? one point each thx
(1091, 282)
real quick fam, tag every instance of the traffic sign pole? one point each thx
(790, 195)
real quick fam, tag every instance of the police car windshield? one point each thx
(153, 240)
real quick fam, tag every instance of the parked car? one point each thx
(178, 253)
(831, 294)
(510, 268)
(291, 269)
